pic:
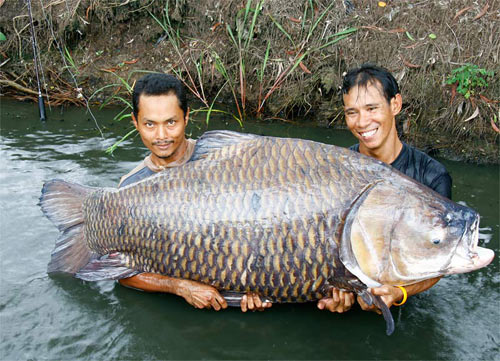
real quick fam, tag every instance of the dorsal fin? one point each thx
(216, 139)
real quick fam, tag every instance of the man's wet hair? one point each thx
(368, 74)
(159, 84)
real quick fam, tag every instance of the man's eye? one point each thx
(149, 125)
(171, 122)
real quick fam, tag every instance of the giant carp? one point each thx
(287, 219)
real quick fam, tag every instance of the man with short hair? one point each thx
(372, 99)
(160, 115)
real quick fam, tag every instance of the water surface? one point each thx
(47, 318)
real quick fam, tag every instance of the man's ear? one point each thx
(186, 117)
(396, 104)
(134, 120)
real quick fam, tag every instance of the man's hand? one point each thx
(341, 301)
(251, 301)
(389, 295)
(201, 295)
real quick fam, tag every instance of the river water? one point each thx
(48, 318)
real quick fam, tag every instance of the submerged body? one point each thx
(285, 218)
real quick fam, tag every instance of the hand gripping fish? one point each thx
(287, 219)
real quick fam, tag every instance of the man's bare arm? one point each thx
(195, 293)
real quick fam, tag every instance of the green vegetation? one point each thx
(469, 79)
(270, 59)
(69, 59)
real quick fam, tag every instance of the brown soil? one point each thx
(109, 40)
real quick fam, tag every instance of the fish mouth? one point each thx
(469, 256)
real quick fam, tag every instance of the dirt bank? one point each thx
(270, 59)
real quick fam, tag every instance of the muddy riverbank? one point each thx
(268, 59)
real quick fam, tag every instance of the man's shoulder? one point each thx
(354, 147)
(425, 160)
(139, 172)
(427, 170)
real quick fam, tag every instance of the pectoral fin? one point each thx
(108, 267)
(371, 299)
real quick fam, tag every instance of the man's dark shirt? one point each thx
(422, 168)
(136, 177)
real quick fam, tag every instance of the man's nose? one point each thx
(364, 119)
(161, 132)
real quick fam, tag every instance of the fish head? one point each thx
(402, 234)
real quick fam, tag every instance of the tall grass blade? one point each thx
(278, 25)
(112, 148)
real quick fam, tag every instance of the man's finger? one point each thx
(243, 303)
(267, 304)
(335, 295)
(215, 304)
(250, 304)
(348, 300)
(257, 302)
(221, 300)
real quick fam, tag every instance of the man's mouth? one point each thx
(163, 144)
(368, 133)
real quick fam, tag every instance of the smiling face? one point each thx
(372, 120)
(161, 123)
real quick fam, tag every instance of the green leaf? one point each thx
(410, 37)
(2, 37)
(432, 36)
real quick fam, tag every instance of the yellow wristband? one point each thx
(405, 296)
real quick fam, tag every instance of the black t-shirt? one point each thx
(422, 168)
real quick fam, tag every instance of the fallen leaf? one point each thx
(485, 9)
(382, 4)
(131, 61)
(304, 68)
(460, 12)
(295, 20)
(494, 126)
(453, 92)
(432, 36)
(488, 100)
(215, 26)
(409, 65)
(474, 115)
(397, 30)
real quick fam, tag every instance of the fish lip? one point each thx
(475, 258)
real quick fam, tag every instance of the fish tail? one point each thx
(62, 202)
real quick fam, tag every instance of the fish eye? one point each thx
(436, 241)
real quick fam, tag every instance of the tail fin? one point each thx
(61, 202)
